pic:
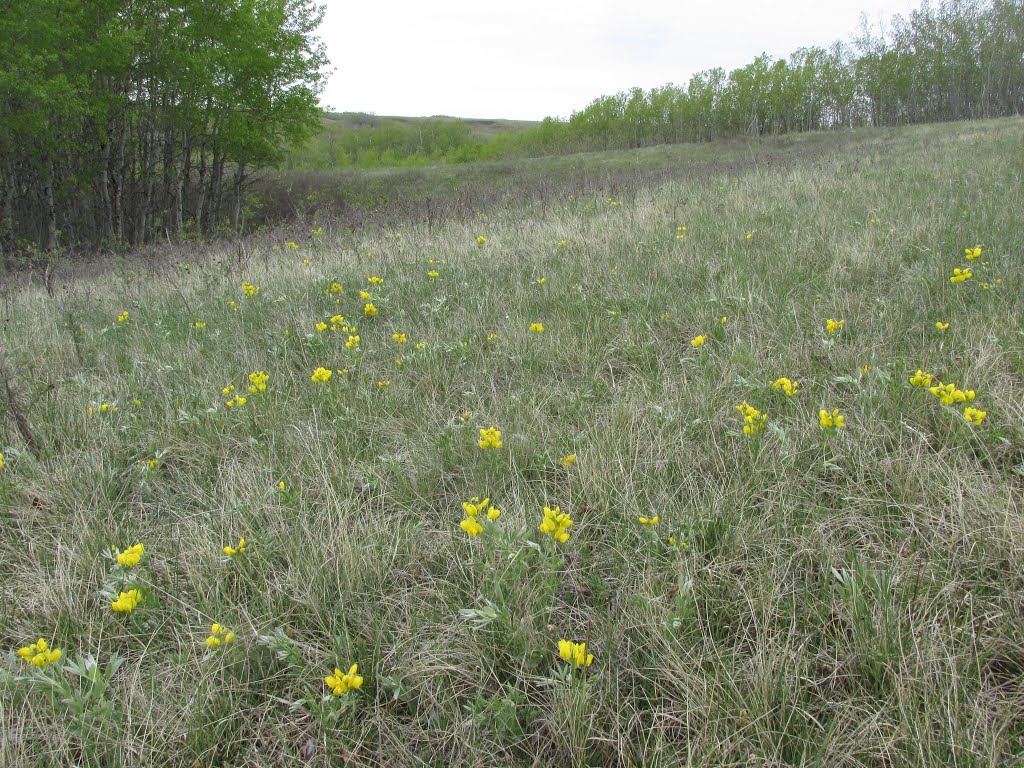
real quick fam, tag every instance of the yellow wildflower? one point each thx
(383, 383)
(939, 325)
(433, 274)
(471, 527)
(921, 379)
(833, 420)
(541, 280)
(399, 337)
(788, 386)
(249, 290)
(974, 416)
(650, 520)
(132, 555)
(753, 420)
(833, 325)
(127, 601)
(258, 381)
(123, 317)
(1, 460)
(322, 374)
(219, 635)
(724, 320)
(365, 296)
(39, 654)
(575, 653)
(972, 253)
(340, 684)
(960, 275)
(352, 342)
(490, 438)
(480, 239)
(568, 460)
(320, 327)
(240, 549)
(537, 328)
(375, 280)
(369, 310)
(556, 524)
(948, 394)
(199, 324)
(698, 342)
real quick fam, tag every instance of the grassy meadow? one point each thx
(765, 591)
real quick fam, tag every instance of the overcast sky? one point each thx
(535, 58)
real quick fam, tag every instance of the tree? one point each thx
(122, 121)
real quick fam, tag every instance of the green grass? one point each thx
(841, 600)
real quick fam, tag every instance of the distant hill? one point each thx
(361, 140)
(477, 125)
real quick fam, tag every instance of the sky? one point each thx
(537, 58)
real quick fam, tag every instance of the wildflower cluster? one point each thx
(537, 328)
(961, 275)
(698, 342)
(831, 420)
(127, 601)
(39, 654)
(950, 395)
(236, 401)
(568, 460)
(921, 379)
(832, 326)
(240, 549)
(473, 508)
(258, 382)
(130, 556)
(340, 684)
(575, 653)
(219, 636)
(249, 290)
(753, 420)
(556, 524)
(123, 317)
(654, 520)
(788, 387)
(490, 438)
(322, 374)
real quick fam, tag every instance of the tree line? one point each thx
(125, 121)
(956, 60)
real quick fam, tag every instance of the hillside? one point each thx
(701, 455)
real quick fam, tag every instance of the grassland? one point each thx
(845, 597)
